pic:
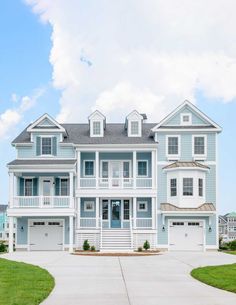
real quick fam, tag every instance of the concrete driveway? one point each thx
(152, 280)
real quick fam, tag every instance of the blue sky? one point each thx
(41, 51)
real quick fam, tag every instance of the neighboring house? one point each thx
(116, 185)
(227, 227)
(4, 223)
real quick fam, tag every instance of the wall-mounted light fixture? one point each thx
(210, 229)
(22, 229)
(163, 229)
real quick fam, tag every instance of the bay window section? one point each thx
(173, 187)
(187, 186)
(200, 187)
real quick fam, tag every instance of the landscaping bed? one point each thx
(23, 284)
(97, 253)
(223, 277)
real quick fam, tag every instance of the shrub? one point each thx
(93, 248)
(146, 245)
(140, 249)
(86, 245)
(232, 245)
(3, 247)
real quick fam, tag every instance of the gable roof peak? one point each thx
(36, 124)
(96, 112)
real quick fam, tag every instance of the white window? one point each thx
(173, 187)
(28, 189)
(105, 168)
(105, 209)
(96, 128)
(199, 146)
(88, 168)
(134, 127)
(142, 168)
(187, 186)
(142, 206)
(89, 206)
(173, 146)
(46, 148)
(200, 187)
(186, 119)
(126, 169)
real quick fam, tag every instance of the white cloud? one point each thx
(150, 55)
(12, 116)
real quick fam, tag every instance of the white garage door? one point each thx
(46, 235)
(186, 235)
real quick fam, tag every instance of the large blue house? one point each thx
(116, 185)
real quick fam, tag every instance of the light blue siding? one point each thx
(60, 151)
(196, 119)
(162, 236)
(22, 228)
(148, 213)
(211, 185)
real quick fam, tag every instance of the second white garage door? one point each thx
(46, 235)
(186, 235)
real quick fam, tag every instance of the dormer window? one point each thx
(134, 128)
(96, 128)
(46, 146)
(186, 119)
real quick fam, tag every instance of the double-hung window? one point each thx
(126, 169)
(28, 187)
(173, 187)
(89, 168)
(96, 128)
(46, 148)
(187, 186)
(173, 146)
(64, 187)
(105, 169)
(134, 128)
(105, 210)
(126, 210)
(142, 168)
(199, 146)
(200, 187)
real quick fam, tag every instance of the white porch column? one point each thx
(153, 213)
(71, 190)
(11, 241)
(71, 234)
(134, 168)
(134, 211)
(97, 212)
(11, 190)
(97, 168)
(154, 170)
(78, 168)
(78, 212)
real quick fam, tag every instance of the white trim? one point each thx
(182, 115)
(92, 176)
(169, 156)
(41, 145)
(202, 156)
(45, 116)
(86, 208)
(142, 176)
(142, 202)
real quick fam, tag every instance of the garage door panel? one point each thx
(186, 236)
(46, 235)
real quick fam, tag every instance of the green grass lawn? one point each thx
(223, 277)
(23, 284)
(230, 252)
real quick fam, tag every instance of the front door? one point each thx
(47, 191)
(115, 213)
(115, 173)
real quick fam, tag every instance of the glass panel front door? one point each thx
(46, 191)
(115, 173)
(115, 213)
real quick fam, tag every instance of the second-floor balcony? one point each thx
(116, 183)
(41, 202)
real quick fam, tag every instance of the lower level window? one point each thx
(89, 206)
(142, 206)
(126, 209)
(187, 186)
(105, 209)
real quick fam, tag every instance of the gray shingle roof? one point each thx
(42, 162)
(113, 134)
(206, 207)
(178, 164)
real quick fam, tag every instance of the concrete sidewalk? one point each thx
(153, 280)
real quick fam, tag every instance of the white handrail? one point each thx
(131, 234)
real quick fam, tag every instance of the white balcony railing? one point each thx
(116, 183)
(41, 202)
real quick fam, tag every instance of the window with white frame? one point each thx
(28, 189)
(199, 145)
(173, 187)
(105, 210)
(96, 128)
(126, 210)
(186, 119)
(187, 186)
(89, 206)
(200, 187)
(142, 206)
(173, 146)
(142, 168)
(126, 169)
(89, 168)
(134, 128)
(64, 187)
(46, 145)
(105, 168)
